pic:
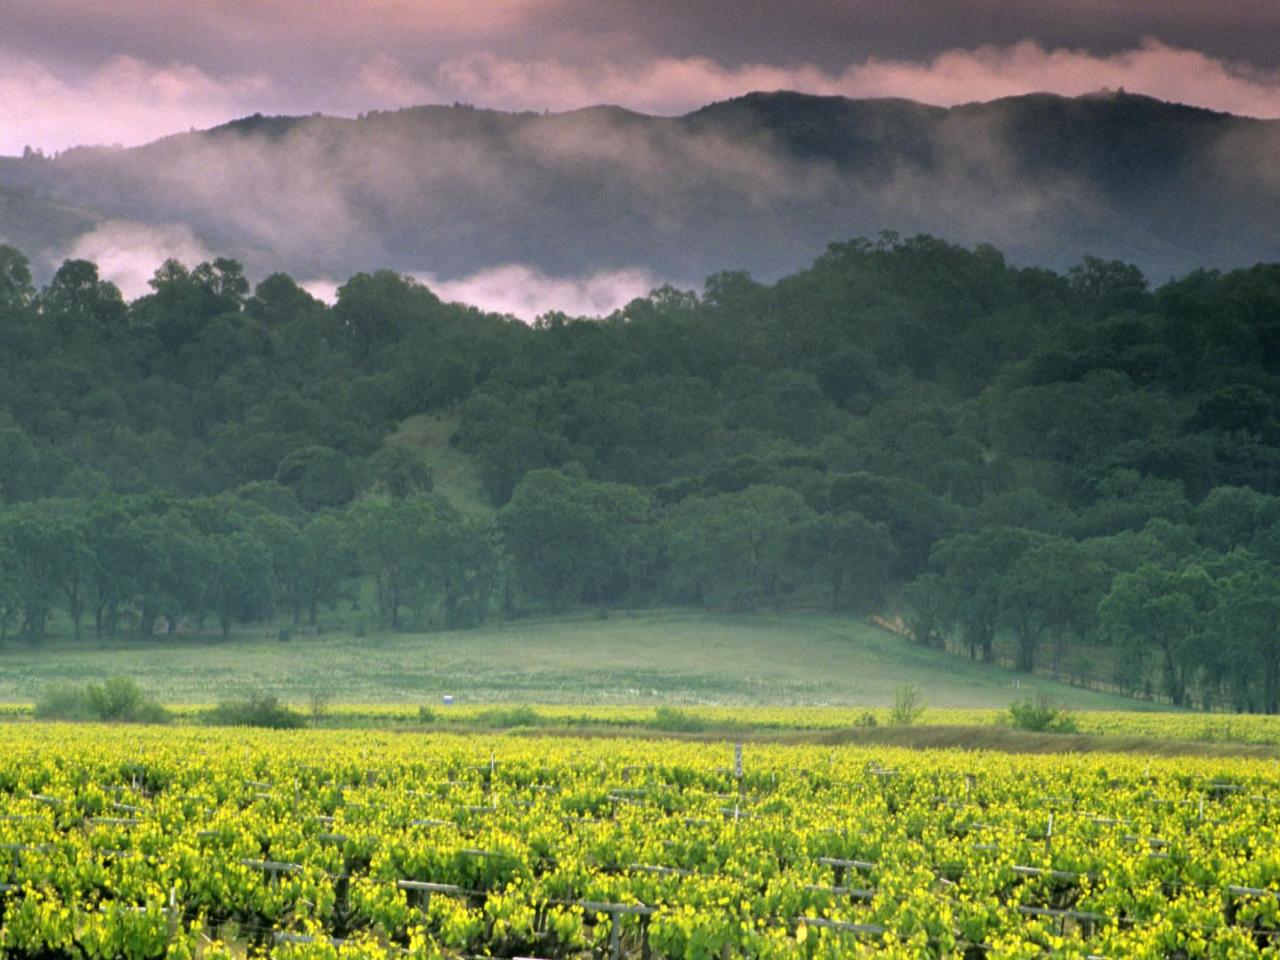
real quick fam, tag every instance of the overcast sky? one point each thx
(83, 71)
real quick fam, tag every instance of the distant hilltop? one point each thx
(762, 182)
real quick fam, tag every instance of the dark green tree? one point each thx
(739, 550)
(1051, 592)
(569, 537)
(1156, 613)
(238, 578)
(972, 586)
(16, 290)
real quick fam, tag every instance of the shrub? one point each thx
(504, 717)
(673, 720)
(64, 701)
(426, 715)
(115, 700)
(1041, 715)
(320, 700)
(258, 710)
(908, 706)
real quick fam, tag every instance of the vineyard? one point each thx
(185, 842)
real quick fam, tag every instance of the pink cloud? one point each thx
(672, 85)
(527, 293)
(128, 254)
(1178, 75)
(124, 101)
(129, 101)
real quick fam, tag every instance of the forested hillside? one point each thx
(1069, 464)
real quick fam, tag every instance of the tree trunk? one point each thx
(147, 622)
(1173, 679)
(34, 626)
(1028, 640)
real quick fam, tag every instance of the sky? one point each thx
(83, 71)
(126, 72)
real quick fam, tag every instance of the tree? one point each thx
(184, 301)
(76, 564)
(374, 310)
(1050, 591)
(856, 556)
(283, 541)
(1230, 516)
(77, 301)
(1243, 629)
(570, 537)
(925, 598)
(320, 476)
(974, 567)
(324, 562)
(1160, 612)
(741, 550)
(916, 519)
(120, 548)
(1104, 286)
(392, 543)
(16, 291)
(41, 547)
(465, 551)
(20, 463)
(238, 578)
(224, 278)
(170, 577)
(278, 301)
(10, 589)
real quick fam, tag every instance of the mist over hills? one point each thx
(762, 182)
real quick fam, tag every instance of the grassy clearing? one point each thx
(456, 477)
(674, 658)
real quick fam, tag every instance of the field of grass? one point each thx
(675, 658)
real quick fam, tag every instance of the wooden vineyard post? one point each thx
(616, 911)
(173, 913)
(737, 768)
(423, 890)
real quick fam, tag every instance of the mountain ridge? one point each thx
(764, 181)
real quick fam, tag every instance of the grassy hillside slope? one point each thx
(678, 657)
(456, 476)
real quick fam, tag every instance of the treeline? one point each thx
(146, 564)
(1003, 454)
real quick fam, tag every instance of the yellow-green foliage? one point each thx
(102, 829)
